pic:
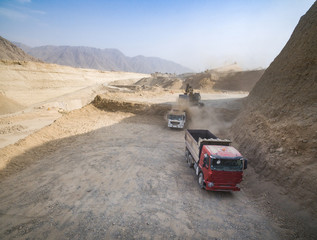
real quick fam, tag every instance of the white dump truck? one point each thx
(176, 119)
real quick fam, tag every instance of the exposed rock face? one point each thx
(277, 130)
(8, 51)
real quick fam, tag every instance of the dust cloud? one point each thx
(209, 118)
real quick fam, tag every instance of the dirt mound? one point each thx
(8, 105)
(204, 80)
(224, 80)
(239, 81)
(111, 105)
(169, 81)
(234, 67)
(9, 51)
(277, 130)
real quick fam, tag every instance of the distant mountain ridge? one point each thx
(102, 59)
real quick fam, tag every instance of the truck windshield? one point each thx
(227, 164)
(176, 117)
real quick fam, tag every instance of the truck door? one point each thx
(204, 164)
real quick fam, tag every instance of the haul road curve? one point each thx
(120, 175)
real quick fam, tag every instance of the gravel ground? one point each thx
(117, 175)
(127, 179)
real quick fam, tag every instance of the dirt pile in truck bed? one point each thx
(277, 130)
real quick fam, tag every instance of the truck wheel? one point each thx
(201, 180)
(190, 161)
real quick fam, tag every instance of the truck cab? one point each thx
(176, 119)
(218, 165)
(220, 168)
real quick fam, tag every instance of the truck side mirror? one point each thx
(245, 163)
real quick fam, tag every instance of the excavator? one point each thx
(189, 97)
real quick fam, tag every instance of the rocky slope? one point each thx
(277, 130)
(8, 51)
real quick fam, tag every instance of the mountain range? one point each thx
(102, 59)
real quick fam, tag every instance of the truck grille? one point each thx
(226, 178)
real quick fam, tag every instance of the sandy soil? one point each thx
(99, 182)
(99, 174)
(34, 94)
(30, 83)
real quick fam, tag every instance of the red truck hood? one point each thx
(226, 177)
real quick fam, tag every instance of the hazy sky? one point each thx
(199, 34)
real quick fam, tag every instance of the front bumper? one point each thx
(175, 125)
(221, 187)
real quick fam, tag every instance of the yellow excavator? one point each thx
(189, 97)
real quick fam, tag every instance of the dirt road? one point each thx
(110, 175)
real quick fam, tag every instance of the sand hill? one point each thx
(226, 78)
(239, 81)
(167, 81)
(29, 83)
(45, 92)
(234, 67)
(8, 51)
(277, 130)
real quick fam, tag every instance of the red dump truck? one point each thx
(218, 165)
